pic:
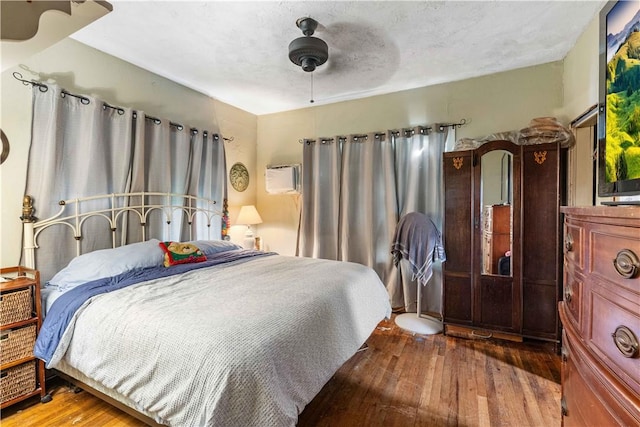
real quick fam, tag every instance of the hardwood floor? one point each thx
(399, 380)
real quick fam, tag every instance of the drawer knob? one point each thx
(568, 242)
(627, 264)
(626, 341)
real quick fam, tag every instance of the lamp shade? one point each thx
(248, 215)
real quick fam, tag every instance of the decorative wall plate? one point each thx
(239, 177)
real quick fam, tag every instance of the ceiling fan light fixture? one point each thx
(308, 52)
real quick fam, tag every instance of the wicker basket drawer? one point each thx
(17, 381)
(15, 306)
(17, 343)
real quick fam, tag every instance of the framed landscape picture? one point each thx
(619, 121)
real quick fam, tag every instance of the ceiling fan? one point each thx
(308, 52)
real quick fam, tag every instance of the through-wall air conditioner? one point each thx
(283, 179)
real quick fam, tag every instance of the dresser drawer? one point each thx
(587, 399)
(573, 244)
(572, 296)
(606, 244)
(610, 312)
(579, 402)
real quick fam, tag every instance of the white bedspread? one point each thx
(248, 344)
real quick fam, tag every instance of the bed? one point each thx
(235, 338)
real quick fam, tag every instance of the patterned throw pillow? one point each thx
(181, 253)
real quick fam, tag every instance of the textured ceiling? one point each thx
(236, 51)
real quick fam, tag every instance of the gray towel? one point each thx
(417, 240)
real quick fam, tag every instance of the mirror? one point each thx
(496, 201)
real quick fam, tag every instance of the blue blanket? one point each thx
(64, 308)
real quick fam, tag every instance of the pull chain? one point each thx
(311, 100)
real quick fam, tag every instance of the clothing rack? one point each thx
(416, 245)
(86, 101)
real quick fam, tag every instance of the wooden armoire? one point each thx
(521, 302)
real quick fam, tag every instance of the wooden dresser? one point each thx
(22, 375)
(600, 315)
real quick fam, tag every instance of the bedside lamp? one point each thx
(249, 216)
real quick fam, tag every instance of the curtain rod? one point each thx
(395, 132)
(85, 101)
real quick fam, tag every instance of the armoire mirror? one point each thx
(496, 196)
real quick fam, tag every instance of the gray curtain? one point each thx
(354, 193)
(368, 204)
(318, 235)
(81, 147)
(163, 168)
(207, 170)
(420, 189)
(76, 149)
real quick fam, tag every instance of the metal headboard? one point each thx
(71, 214)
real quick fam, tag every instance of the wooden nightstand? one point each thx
(21, 374)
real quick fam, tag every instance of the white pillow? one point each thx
(107, 263)
(212, 247)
